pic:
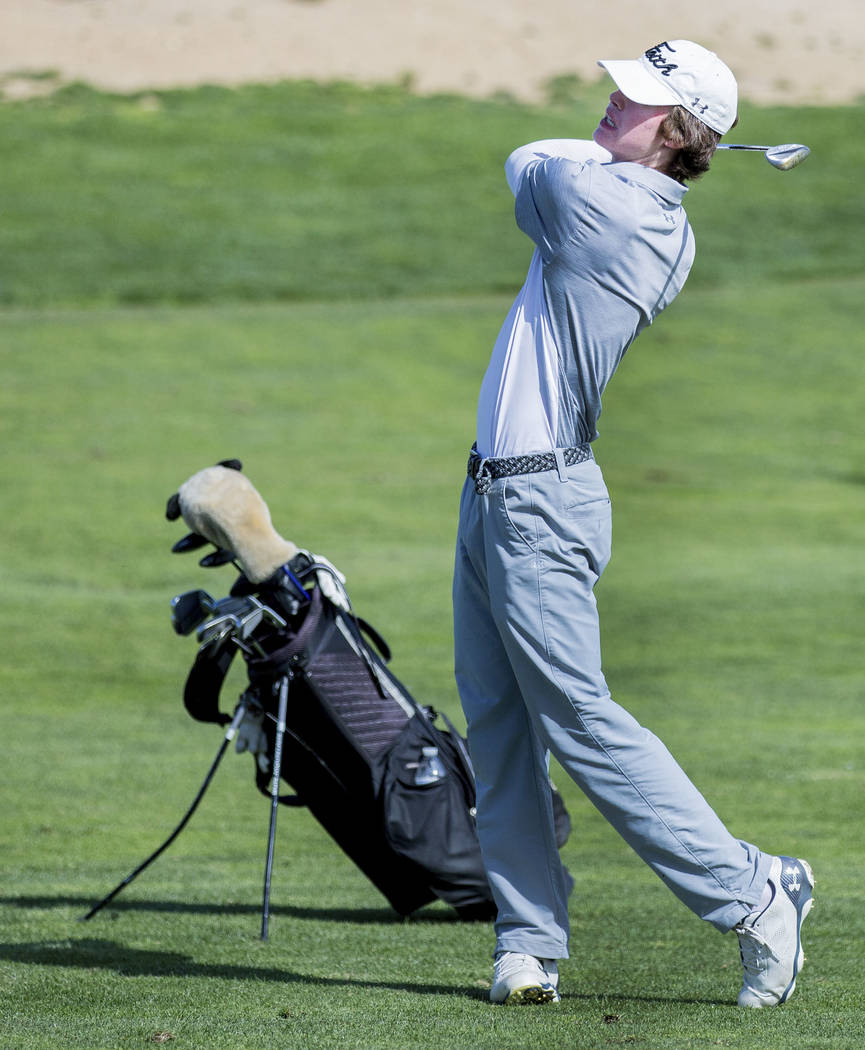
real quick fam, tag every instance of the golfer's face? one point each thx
(629, 130)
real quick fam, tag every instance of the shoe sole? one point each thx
(803, 905)
(532, 995)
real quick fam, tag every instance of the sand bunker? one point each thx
(781, 52)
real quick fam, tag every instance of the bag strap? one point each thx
(375, 638)
(204, 683)
(460, 746)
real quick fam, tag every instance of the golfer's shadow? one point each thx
(92, 953)
(359, 915)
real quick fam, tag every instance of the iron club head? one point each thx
(787, 156)
(190, 609)
(782, 157)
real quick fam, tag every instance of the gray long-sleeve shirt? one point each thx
(613, 248)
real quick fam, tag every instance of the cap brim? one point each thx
(637, 84)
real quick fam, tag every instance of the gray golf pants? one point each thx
(528, 669)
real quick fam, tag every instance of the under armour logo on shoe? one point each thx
(795, 884)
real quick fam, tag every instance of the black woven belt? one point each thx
(485, 471)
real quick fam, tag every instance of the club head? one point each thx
(190, 609)
(191, 542)
(786, 156)
(221, 556)
(235, 616)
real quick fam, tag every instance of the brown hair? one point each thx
(695, 141)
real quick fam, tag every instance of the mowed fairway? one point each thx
(167, 307)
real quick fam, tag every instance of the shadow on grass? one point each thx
(359, 915)
(94, 954)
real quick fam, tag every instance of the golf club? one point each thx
(238, 618)
(188, 610)
(781, 157)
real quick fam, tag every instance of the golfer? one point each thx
(612, 248)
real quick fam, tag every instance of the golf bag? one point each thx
(394, 789)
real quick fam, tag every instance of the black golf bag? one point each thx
(394, 789)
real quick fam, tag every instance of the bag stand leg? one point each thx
(274, 802)
(239, 712)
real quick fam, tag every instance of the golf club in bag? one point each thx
(393, 788)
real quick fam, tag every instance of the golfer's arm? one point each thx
(571, 149)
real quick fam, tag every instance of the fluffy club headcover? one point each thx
(224, 506)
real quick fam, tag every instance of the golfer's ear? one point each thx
(672, 136)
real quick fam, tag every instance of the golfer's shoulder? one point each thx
(635, 195)
(619, 190)
(566, 183)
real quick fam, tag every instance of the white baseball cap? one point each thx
(679, 73)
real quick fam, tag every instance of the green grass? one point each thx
(732, 445)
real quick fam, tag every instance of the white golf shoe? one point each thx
(524, 980)
(770, 938)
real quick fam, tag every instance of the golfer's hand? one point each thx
(251, 737)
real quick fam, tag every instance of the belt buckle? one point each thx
(480, 474)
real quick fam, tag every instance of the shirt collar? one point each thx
(651, 178)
